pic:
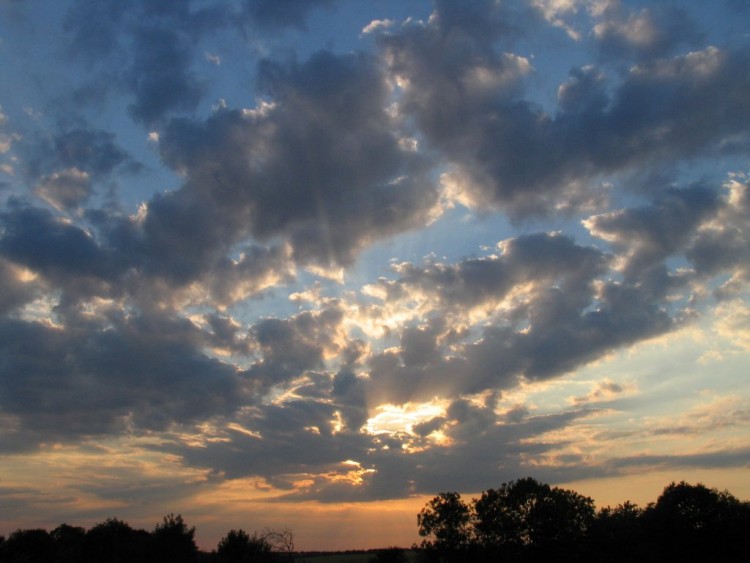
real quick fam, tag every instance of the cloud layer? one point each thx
(187, 236)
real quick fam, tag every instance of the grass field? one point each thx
(364, 557)
(338, 558)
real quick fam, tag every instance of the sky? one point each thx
(308, 263)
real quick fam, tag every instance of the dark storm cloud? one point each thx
(65, 190)
(467, 99)
(536, 258)
(298, 440)
(120, 256)
(90, 150)
(154, 44)
(321, 166)
(349, 390)
(289, 13)
(159, 77)
(656, 31)
(14, 291)
(280, 443)
(226, 333)
(291, 347)
(568, 307)
(50, 245)
(339, 153)
(179, 239)
(709, 460)
(151, 44)
(648, 235)
(724, 244)
(94, 27)
(256, 269)
(498, 452)
(566, 315)
(101, 375)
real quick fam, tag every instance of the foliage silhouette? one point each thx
(114, 541)
(390, 555)
(530, 518)
(529, 521)
(69, 543)
(696, 522)
(239, 547)
(281, 541)
(28, 546)
(173, 542)
(523, 520)
(618, 534)
(446, 518)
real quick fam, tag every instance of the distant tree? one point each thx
(617, 535)
(447, 519)
(114, 541)
(239, 547)
(281, 540)
(29, 546)
(531, 518)
(173, 542)
(696, 522)
(390, 555)
(70, 543)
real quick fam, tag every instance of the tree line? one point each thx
(529, 521)
(523, 521)
(114, 541)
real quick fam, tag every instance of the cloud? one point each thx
(19, 287)
(648, 33)
(159, 77)
(52, 246)
(605, 390)
(648, 235)
(153, 47)
(99, 376)
(706, 460)
(66, 189)
(94, 27)
(318, 165)
(232, 320)
(295, 447)
(291, 347)
(509, 153)
(541, 315)
(721, 244)
(85, 149)
(291, 13)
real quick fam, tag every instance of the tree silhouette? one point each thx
(694, 521)
(532, 519)
(28, 546)
(114, 541)
(281, 541)
(173, 541)
(390, 555)
(617, 535)
(70, 543)
(446, 518)
(239, 547)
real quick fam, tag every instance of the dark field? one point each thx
(348, 557)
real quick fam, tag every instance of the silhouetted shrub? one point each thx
(173, 542)
(239, 547)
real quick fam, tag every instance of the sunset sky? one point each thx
(307, 263)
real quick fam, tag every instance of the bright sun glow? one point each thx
(391, 419)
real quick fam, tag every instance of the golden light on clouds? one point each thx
(391, 419)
